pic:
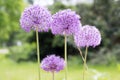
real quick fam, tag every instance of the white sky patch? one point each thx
(4, 51)
(74, 2)
(70, 2)
(43, 2)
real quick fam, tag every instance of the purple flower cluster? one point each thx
(52, 63)
(65, 22)
(87, 36)
(36, 17)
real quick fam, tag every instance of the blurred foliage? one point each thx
(10, 12)
(75, 60)
(109, 11)
(106, 56)
(24, 52)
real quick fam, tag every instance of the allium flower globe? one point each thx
(52, 63)
(35, 16)
(87, 36)
(65, 22)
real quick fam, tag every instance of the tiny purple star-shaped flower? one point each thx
(35, 17)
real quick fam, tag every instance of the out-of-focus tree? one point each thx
(102, 8)
(56, 1)
(109, 11)
(30, 1)
(10, 12)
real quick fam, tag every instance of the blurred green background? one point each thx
(18, 59)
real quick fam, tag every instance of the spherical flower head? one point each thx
(65, 22)
(87, 36)
(36, 17)
(52, 63)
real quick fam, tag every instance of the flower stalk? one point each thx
(53, 75)
(65, 55)
(38, 54)
(81, 54)
(84, 65)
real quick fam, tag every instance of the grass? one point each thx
(10, 70)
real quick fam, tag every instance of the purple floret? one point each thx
(53, 63)
(36, 16)
(65, 22)
(87, 36)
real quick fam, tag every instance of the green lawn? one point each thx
(10, 70)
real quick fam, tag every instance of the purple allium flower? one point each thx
(52, 63)
(36, 16)
(87, 36)
(65, 22)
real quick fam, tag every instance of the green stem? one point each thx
(86, 51)
(81, 54)
(38, 53)
(84, 71)
(53, 76)
(65, 55)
